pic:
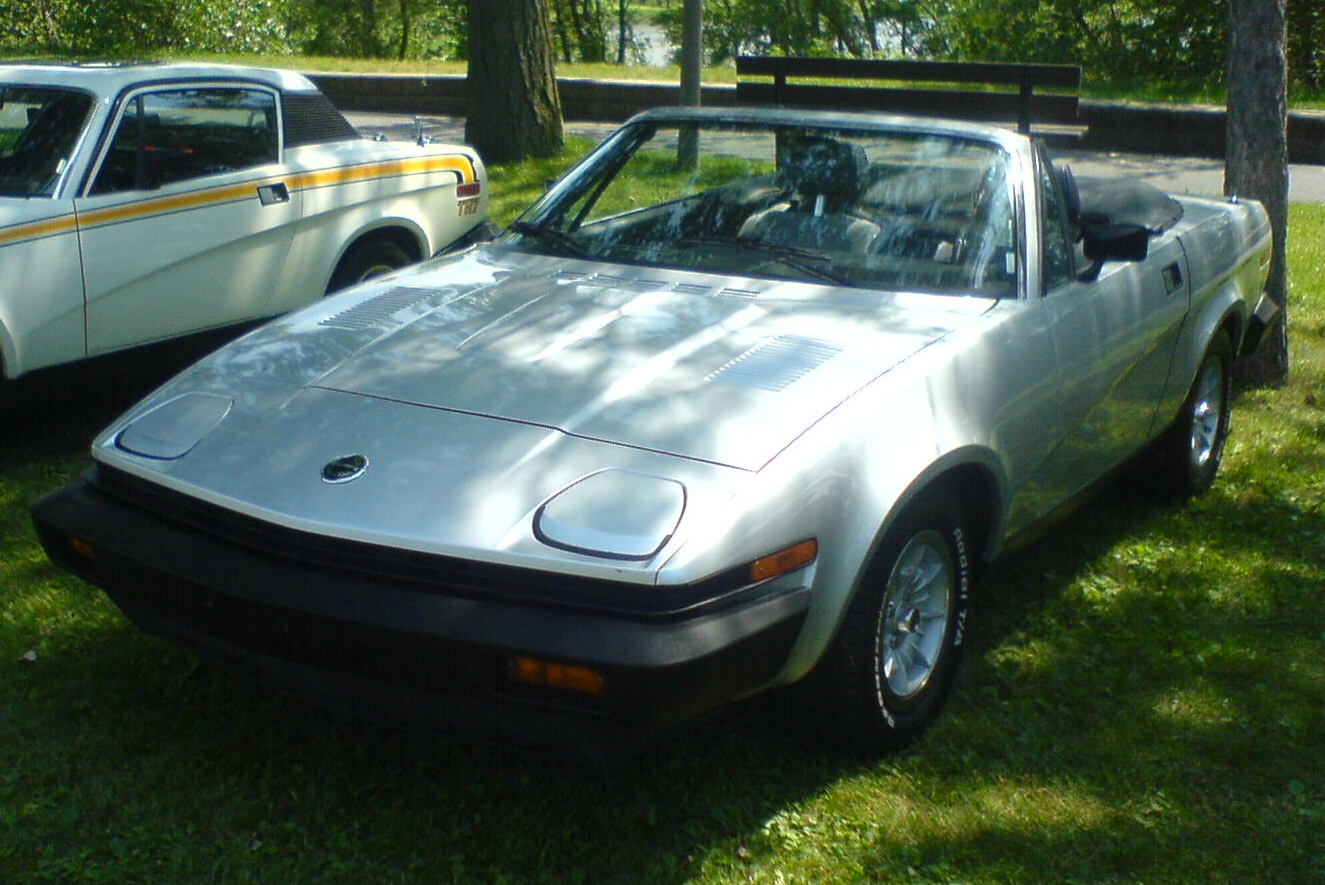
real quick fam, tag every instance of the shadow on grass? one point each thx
(1140, 702)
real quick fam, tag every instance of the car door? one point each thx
(1114, 337)
(41, 281)
(187, 219)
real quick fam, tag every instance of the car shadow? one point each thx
(287, 779)
(57, 411)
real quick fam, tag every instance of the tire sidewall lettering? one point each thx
(884, 704)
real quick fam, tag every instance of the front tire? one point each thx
(890, 669)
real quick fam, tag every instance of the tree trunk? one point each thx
(404, 28)
(562, 32)
(514, 106)
(692, 71)
(1256, 164)
(623, 29)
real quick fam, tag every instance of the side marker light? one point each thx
(775, 565)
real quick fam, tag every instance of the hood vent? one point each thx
(645, 284)
(729, 292)
(776, 363)
(370, 312)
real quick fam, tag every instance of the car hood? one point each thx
(518, 407)
(717, 370)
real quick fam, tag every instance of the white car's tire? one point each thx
(367, 259)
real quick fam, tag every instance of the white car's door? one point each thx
(41, 284)
(187, 220)
(41, 280)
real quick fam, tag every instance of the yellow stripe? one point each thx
(167, 205)
(47, 227)
(457, 163)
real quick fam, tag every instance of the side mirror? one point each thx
(1116, 242)
(1112, 242)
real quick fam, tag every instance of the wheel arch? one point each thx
(8, 355)
(1226, 312)
(973, 476)
(400, 232)
(411, 238)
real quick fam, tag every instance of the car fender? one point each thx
(421, 210)
(840, 487)
(1227, 308)
(322, 242)
(1226, 282)
(405, 232)
(972, 473)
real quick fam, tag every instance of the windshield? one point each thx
(868, 209)
(38, 129)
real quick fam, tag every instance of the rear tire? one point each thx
(1188, 455)
(890, 669)
(365, 260)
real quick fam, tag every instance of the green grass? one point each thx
(1141, 702)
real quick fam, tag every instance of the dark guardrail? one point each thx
(1007, 93)
(1175, 130)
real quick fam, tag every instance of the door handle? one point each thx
(270, 194)
(1172, 278)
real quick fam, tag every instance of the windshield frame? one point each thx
(564, 209)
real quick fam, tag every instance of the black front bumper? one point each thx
(403, 645)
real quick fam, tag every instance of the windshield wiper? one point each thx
(550, 236)
(807, 261)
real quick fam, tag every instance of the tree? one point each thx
(692, 68)
(581, 29)
(514, 106)
(1256, 162)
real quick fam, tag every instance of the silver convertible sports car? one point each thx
(745, 400)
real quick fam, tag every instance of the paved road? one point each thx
(1181, 175)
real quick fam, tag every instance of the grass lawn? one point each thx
(1142, 701)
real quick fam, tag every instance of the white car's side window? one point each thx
(39, 127)
(177, 135)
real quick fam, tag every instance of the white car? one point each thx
(141, 202)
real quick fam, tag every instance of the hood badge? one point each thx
(345, 469)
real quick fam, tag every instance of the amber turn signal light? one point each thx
(787, 560)
(82, 549)
(563, 677)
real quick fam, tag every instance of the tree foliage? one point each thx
(127, 27)
(580, 29)
(1118, 42)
